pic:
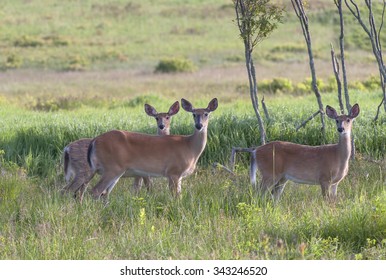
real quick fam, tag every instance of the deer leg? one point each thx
(175, 185)
(105, 185)
(137, 184)
(74, 185)
(78, 182)
(325, 189)
(111, 186)
(334, 190)
(80, 192)
(147, 182)
(265, 185)
(67, 178)
(278, 189)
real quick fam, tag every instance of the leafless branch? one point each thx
(265, 110)
(335, 67)
(217, 165)
(303, 124)
(378, 109)
(300, 12)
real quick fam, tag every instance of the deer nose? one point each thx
(161, 126)
(340, 129)
(198, 126)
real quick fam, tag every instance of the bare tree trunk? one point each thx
(265, 110)
(303, 124)
(335, 68)
(383, 85)
(338, 4)
(299, 10)
(253, 90)
(373, 33)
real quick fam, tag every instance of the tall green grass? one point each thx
(35, 140)
(98, 35)
(217, 217)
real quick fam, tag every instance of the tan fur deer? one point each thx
(119, 152)
(75, 154)
(326, 165)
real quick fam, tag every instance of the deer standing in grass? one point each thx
(324, 165)
(75, 154)
(119, 152)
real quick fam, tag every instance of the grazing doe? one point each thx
(324, 165)
(75, 154)
(119, 152)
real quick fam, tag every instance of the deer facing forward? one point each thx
(326, 165)
(76, 169)
(119, 152)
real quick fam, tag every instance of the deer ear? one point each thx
(174, 108)
(331, 112)
(213, 104)
(354, 112)
(150, 110)
(186, 105)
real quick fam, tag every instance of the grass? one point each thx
(120, 34)
(218, 217)
(215, 219)
(77, 70)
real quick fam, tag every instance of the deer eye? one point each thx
(167, 117)
(157, 119)
(194, 115)
(206, 114)
(348, 120)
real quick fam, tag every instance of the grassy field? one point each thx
(76, 69)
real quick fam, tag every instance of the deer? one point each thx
(75, 154)
(120, 152)
(327, 165)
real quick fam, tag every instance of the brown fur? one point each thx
(75, 155)
(117, 152)
(279, 162)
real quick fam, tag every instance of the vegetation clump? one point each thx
(175, 65)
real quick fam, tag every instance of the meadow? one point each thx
(76, 69)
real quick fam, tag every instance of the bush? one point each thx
(372, 83)
(28, 41)
(276, 85)
(292, 48)
(76, 63)
(175, 65)
(306, 86)
(57, 41)
(12, 62)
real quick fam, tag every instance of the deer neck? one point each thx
(162, 132)
(198, 141)
(344, 146)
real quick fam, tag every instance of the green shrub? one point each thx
(292, 48)
(306, 86)
(57, 41)
(372, 83)
(175, 65)
(76, 63)
(276, 85)
(54, 104)
(12, 61)
(28, 41)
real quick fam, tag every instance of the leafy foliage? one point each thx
(257, 19)
(175, 65)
